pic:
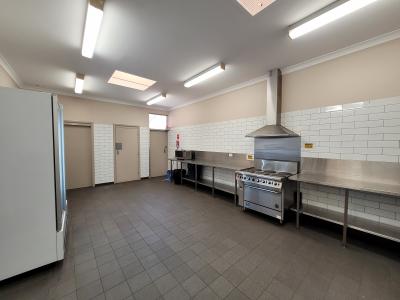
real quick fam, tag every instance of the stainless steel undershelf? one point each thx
(354, 222)
(211, 183)
(218, 186)
(188, 179)
(321, 213)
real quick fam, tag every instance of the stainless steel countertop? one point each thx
(345, 183)
(212, 164)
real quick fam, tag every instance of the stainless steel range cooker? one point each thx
(267, 190)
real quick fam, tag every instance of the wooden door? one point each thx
(126, 153)
(158, 153)
(78, 156)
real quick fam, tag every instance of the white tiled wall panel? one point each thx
(368, 130)
(103, 153)
(144, 151)
(228, 136)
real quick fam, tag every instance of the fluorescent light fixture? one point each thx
(94, 17)
(327, 15)
(130, 81)
(214, 70)
(157, 99)
(79, 80)
(253, 7)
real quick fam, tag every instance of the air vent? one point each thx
(130, 81)
(253, 7)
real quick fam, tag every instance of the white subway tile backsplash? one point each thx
(384, 116)
(384, 144)
(355, 118)
(376, 123)
(103, 144)
(354, 105)
(393, 122)
(368, 150)
(385, 101)
(355, 131)
(144, 151)
(392, 136)
(369, 137)
(365, 128)
(391, 151)
(392, 107)
(369, 110)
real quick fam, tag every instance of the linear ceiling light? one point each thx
(214, 70)
(157, 99)
(94, 17)
(327, 15)
(253, 7)
(79, 80)
(130, 81)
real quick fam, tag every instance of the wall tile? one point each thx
(144, 151)
(103, 136)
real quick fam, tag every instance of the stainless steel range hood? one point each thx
(273, 129)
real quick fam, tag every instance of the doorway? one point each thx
(158, 153)
(127, 163)
(78, 155)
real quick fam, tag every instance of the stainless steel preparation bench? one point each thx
(359, 183)
(209, 183)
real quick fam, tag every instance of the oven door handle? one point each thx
(265, 190)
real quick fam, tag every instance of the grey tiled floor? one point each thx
(151, 240)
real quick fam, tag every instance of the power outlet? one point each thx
(250, 157)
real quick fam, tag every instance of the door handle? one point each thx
(165, 149)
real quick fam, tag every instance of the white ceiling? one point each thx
(170, 41)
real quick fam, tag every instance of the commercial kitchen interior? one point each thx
(183, 149)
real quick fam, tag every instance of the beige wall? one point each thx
(85, 110)
(5, 79)
(243, 103)
(368, 74)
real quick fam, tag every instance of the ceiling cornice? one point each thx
(82, 96)
(380, 39)
(10, 71)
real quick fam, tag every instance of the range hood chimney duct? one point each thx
(273, 129)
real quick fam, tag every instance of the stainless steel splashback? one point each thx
(379, 172)
(278, 166)
(283, 149)
(237, 159)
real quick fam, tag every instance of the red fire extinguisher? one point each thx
(177, 141)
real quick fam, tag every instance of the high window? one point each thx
(157, 122)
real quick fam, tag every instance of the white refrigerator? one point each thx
(33, 204)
